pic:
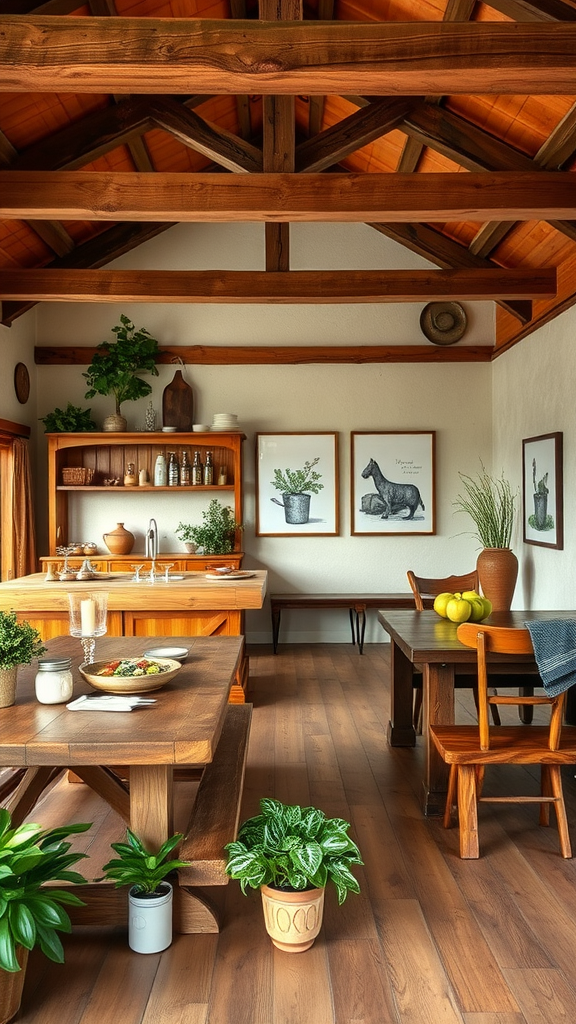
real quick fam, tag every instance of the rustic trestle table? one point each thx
(426, 640)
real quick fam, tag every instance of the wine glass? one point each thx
(88, 610)
(137, 570)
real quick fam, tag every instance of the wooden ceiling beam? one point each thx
(294, 355)
(363, 126)
(217, 143)
(352, 198)
(274, 287)
(145, 55)
(534, 10)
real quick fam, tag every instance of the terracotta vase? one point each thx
(293, 919)
(497, 572)
(119, 541)
(11, 987)
(8, 686)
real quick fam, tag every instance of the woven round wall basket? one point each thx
(443, 323)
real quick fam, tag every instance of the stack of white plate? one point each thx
(225, 421)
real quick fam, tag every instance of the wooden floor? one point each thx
(431, 940)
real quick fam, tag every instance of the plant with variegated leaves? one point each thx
(293, 848)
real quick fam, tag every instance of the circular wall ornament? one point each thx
(22, 382)
(443, 323)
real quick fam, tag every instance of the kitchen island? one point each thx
(190, 605)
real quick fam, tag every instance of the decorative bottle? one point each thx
(150, 417)
(173, 471)
(130, 478)
(160, 475)
(185, 474)
(208, 470)
(197, 469)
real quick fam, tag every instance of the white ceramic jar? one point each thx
(54, 683)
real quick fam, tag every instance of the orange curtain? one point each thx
(23, 560)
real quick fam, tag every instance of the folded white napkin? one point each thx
(108, 702)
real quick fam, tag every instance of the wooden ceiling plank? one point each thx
(54, 235)
(489, 236)
(351, 133)
(560, 145)
(459, 10)
(534, 10)
(144, 55)
(352, 198)
(246, 355)
(313, 287)
(217, 143)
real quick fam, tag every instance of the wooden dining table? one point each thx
(182, 728)
(429, 641)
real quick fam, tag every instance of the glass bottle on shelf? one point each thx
(197, 470)
(160, 475)
(222, 476)
(185, 474)
(208, 470)
(173, 471)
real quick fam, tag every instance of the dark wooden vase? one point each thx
(498, 572)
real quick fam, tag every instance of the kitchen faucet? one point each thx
(151, 548)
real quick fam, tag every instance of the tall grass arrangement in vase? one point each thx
(491, 504)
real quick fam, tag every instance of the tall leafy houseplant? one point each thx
(491, 504)
(19, 644)
(290, 853)
(216, 534)
(116, 367)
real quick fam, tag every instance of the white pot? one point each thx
(150, 920)
(191, 548)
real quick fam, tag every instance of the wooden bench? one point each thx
(355, 603)
(216, 810)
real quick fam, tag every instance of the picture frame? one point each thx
(392, 476)
(542, 490)
(309, 462)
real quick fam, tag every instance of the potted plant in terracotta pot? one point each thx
(116, 368)
(491, 504)
(216, 534)
(290, 853)
(19, 644)
(149, 895)
(31, 913)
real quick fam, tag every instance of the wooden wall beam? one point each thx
(253, 355)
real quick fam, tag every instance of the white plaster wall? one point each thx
(534, 389)
(17, 346)
(452, 399)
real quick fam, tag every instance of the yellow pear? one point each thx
(458, 610)
(440, 603)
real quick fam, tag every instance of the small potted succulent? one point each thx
(216, 534)
(32, 913)
(19, 644)
(290, 853)
(149, 895)
(296, 487)
(116, 368)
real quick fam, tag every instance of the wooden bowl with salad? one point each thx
(130, 675)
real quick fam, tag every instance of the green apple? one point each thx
(458, 610)
(440, 603)
(478, 609)
(487, 607)
(469, 595)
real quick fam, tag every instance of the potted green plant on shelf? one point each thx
(216, 534)
(491, 504)
(290, 852)
(116, 368)
(19, 644)
(150, 894)
(297, 487)
(31, 913)
(71, 420)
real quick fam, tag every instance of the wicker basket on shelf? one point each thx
(77, 475)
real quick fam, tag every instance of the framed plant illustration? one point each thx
(542, 486)
(392, 482)
(297, 485)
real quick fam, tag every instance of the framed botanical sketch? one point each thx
(392, 482)
(542, 486)
(297, 485)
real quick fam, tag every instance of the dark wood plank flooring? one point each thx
(431, 940)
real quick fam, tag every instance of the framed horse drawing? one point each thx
(392, 482)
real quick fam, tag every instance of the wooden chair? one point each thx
(425, 590)
(469, 748)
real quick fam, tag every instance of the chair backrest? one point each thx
(423, 588)
(504, 640)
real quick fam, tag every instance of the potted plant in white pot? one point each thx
(19, 644)
(297, 486)
(290, 853)
(150, 894)
(216, 534)
(116, 367)
(491, 504)
(32, 913)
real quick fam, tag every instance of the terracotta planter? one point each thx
(8, 686)
(497, 572)
(11, 986)
(293, 919)
(119, 541)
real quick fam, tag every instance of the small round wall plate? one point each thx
(22, 383)
(443, 323)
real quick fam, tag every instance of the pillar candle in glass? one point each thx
(88, 611)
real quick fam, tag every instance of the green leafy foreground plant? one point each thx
(141, 870)
(295, 848)
(19, 641)
(216, 534)
(298, 481)
(490, 504)
(30, 915)
(70, 420)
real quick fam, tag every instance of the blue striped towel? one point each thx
(554, 643)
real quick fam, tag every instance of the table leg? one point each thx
(151, 804)
(276, 612)
(438, 709)
(401, 731)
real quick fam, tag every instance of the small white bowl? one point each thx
(169, 430)
(201, 428)
(176, 653)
